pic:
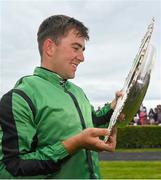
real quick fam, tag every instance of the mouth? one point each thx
(74, 65)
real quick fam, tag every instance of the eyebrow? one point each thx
(83, 48)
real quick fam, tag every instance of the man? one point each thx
(48, 127)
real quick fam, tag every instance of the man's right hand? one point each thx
(89, 139)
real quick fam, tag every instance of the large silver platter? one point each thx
(136, 83)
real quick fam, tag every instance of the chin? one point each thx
(71, 76)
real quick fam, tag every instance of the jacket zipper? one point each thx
(88, 152)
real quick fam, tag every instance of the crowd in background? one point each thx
(144, 117)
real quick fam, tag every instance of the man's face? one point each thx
(68, 54)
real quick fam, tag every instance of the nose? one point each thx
(80, 57)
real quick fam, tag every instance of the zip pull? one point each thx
(62, 83)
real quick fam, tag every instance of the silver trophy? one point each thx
(136, 83)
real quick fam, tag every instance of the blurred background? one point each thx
(116, 29)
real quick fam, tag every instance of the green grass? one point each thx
(130, 169)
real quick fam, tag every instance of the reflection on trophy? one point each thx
(136, 83)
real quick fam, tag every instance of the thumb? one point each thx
(101, 132)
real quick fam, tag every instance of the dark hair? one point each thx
(57, 26)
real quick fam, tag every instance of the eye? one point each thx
(76, 48)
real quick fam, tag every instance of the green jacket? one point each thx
(35, 117)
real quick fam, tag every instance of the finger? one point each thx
(119, 93)
(102, 146)
(111, 143)
(121, 117)
(113, 131)
(100, 132)
(111, 139)
(110, 147)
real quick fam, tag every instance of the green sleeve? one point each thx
(18, 131)
(102, 116)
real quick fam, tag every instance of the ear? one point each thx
(49, 47)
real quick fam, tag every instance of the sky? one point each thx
(116, 28)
